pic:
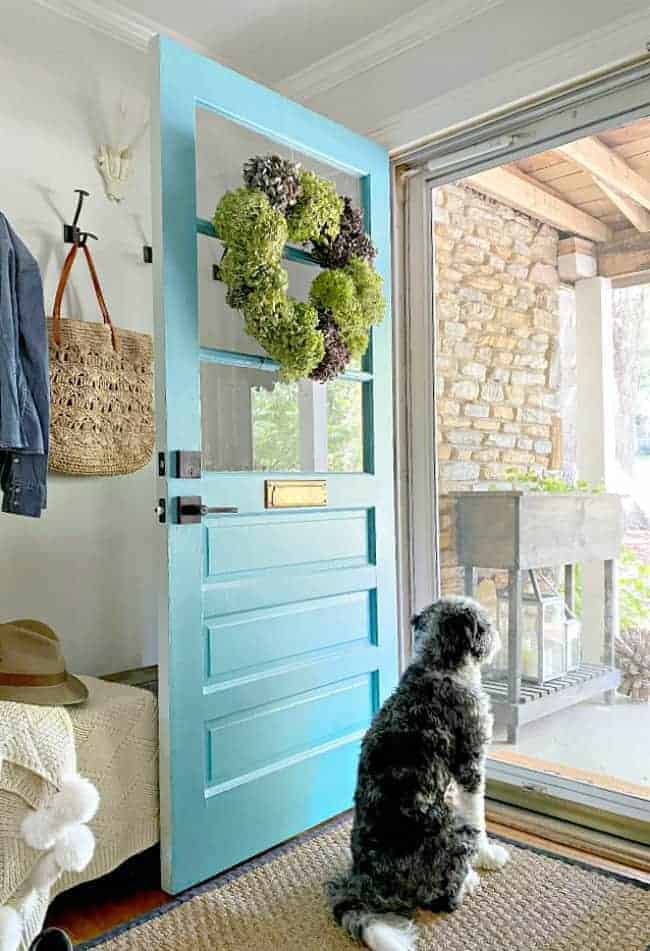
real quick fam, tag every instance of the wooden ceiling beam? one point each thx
(625, 256)
(635, 214)
(522, 192)
(609, 168)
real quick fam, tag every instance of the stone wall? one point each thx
(498, 367)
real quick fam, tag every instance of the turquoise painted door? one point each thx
(278, 627)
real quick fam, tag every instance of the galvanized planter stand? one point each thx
(517, 531)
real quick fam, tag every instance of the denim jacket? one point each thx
(24, 383)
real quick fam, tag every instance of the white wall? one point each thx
(85, 567)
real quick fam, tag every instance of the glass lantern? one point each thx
(573, 641)
(550, 633)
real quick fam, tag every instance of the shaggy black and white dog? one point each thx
(419, 823)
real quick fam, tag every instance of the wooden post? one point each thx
(555, 461)
(595, 431)
(515, 591)
(470, 580)
(611, 618)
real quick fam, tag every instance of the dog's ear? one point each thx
(483, 635)
(419, 625)
(416, 621)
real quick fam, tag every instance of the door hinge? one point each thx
(162, 464)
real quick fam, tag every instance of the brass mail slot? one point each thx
(294, 493)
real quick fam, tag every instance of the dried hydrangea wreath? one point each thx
(282, 202)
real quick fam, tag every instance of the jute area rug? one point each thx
(538, 903)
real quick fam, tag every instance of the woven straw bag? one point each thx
(101, 390)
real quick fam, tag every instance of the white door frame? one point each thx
(616, 98)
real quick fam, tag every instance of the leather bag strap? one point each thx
(63, 280)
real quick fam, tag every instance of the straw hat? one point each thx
(32, 667)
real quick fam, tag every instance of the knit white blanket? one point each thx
(45, 844)
(38, 764)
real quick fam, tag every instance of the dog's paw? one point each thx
(491, 855)
(472, 881)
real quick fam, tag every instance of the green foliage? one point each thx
(318, 337)
(344, 426)
(333, 292)
(317, 211)
(276, 428)
(287, 329)
(370, 290)
(245, 220)
(633, 591)
(243, 275)
(550, 482)
(353, 296)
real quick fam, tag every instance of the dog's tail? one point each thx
(378, 930)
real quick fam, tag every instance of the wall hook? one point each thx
(72, 234)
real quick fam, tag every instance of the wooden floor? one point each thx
(90, 910)
(134, 889)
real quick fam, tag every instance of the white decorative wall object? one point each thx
(115, 166)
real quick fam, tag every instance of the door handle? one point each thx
(191, 509)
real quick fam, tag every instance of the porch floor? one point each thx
(604, 744)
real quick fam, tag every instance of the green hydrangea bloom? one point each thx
(317, 211)
(242, 276)
(356, 339)
(287, 329)
(245, 220)
(369, 288)
(334, 292)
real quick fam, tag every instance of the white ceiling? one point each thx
(272, 39)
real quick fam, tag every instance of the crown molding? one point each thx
(405, 33)
(119, 22)
(107, 17)
(565, 64)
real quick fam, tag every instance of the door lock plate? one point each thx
(188, 464)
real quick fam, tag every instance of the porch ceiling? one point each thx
(596, 188)
(569, 177)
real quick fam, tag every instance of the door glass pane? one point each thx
(518, 390)
(221, 327)
(345, 426)
(253, 421)
(222, 147)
